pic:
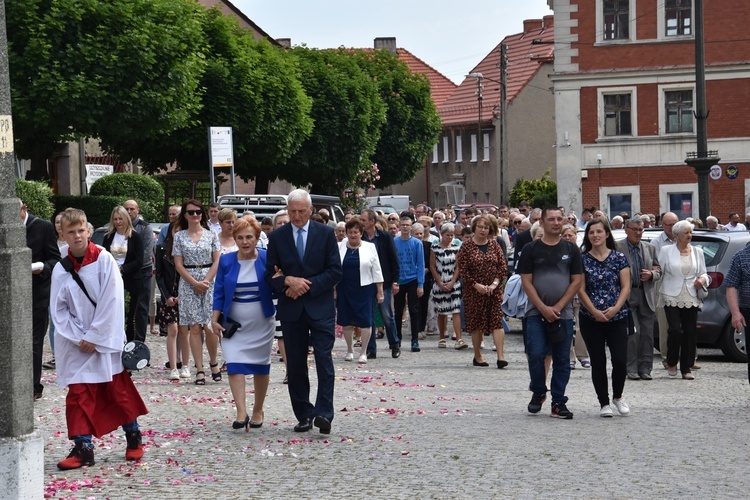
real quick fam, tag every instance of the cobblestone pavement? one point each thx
(427, 425)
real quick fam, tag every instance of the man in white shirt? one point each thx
(734, 223)
(213, 217)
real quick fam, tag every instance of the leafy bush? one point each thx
(36, 196)
(540, 193)
(148, 192)
(97, 208)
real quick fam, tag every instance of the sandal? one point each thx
(441, 343)
(215, 376)
(200, 381)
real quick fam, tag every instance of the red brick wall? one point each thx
(727, 195)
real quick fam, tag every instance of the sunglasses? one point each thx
(392, 219)
(517, 222)
(194, 212)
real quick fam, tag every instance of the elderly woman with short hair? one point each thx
(683, 275)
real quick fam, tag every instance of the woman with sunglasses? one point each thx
(196, 253)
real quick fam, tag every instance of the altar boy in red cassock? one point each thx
(89, 337)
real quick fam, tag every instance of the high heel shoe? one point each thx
(215, 376)
(238, 424)
(258, 425)
(501, 363)
(483, 363)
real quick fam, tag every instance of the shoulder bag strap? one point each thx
(68, 266)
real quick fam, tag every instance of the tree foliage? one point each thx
(412, 124)
(348, 114)
(122, 71)
(248, 85)
(539, 193)
(36, 196)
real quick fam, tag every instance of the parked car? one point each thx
(266, 205)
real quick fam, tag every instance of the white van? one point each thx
(266, 205)
(397, 201)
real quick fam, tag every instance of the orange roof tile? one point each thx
(441, 87)
(526, 53)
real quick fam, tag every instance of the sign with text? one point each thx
(96, 172)
(221, 147)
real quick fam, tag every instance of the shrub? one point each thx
(36, 196)
(540, 193)
(97, 208)
(148, 192)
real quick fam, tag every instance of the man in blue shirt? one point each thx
(738, 291)
(410, 253)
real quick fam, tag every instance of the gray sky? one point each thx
(451, 36)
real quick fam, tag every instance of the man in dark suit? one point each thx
(41, 238)
(303, 267)
(147, 238)
(644, 273)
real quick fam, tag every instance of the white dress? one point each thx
(251, 344)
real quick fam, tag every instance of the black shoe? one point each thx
(49, 365)
(559, 410)
(168, 367)
(37, 395)
(304, 425)
(535, 405)
(396, 352)
(483, 363)
(257, 425)
(239, 424)
(501, 363)
(372, 355)
(379, 334)
(323, 424)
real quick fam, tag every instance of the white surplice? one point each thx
(75, 319)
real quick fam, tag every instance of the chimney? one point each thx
(386, 43)
(530, 25)
(285, 43)
(549, 21)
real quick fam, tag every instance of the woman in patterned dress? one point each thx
(446, 290)
(482, 268)
(604, 313)
(196, 253)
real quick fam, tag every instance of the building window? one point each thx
(678, 17)
(619, 203)
(681, 204)
(682, 199)
(474, 198)
(678, 108)
(435, 153)
(446, 157)
(486, 147)
(459, 149)
(616, 19)
(618, 199)
(473, 147)
(617, 114)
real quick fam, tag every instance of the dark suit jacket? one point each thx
(321, 266)
(131, 269)
(650, 259)
(520, 240)
(41, 238)
(387, 255)
(166, 275)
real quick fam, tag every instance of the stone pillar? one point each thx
(21, 449)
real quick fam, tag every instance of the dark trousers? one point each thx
(597, 336)
(641, 343)
(40, 322)
(298, 337)
(407, 291)
(682, 336)
(141, 310)
(386, 311)
(424, 302)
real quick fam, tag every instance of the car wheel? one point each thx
(733, 344)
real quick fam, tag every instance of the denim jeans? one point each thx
(386, 311)
(537, 347)
(84, 440)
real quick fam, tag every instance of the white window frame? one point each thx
(666, 189)
(473, 148)
(446, 149)
(435, 154)
(633, 191)
(601, 92)
(661, 22)
(459, 149)
(600, 24)
(663, 111)
(486, 147)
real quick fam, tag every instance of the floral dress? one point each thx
(482, 265)
(446, 302)
(195, 309)
(603, 283)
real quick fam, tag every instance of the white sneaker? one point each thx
(606, 411)
(362, 359)
(621, 406)
(349, 356)
(174, 374)
(185, 372)
(481, 346)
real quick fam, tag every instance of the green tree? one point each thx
(121, 71)
(348, 114)
(36, 196)
(248, 85)
(412, 124)
(540, 193)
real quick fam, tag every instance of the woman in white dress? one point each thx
(227, 218)
(242, 295)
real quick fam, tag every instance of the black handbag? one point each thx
(229, 325)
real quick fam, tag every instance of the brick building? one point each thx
(624, 81)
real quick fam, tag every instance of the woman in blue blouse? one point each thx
(242, 294)
(604, 313)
